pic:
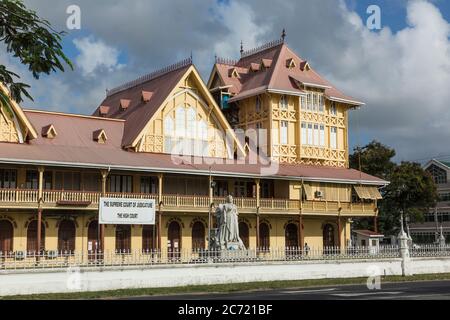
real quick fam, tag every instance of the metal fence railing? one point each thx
(58, 259)
(430, 250)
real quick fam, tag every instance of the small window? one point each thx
(310, 133)
(149, 185)
(32, 180)
(283, 102)
(8, 179)
(333, 138)
(284, 132)
(333, 110)
(316, 134)
(304, 133)
(122, 184)
(258, 104)
(322, 135)
(303, 102)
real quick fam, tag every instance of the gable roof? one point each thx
(277, 78)
(139, 112)
(443, 164)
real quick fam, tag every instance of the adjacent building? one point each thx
(429, 230)
(55, 166)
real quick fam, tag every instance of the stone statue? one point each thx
(228, 226)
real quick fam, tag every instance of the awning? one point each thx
(368, 192)
(308, 192)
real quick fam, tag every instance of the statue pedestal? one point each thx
(234, 253)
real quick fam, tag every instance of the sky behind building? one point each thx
(401, 71)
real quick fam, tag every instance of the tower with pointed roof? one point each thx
(273, 88)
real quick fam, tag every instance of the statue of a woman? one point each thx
(228, 223)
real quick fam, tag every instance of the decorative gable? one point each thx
(290, 63)
(146, 96)
(49, 131)
(266, 63)
(8, 131)
(100, 136)
(124, 104)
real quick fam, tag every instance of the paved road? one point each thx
(420, 290)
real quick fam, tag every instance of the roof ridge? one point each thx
(230, 62)
(66, 114)
(150, 76)
(266, 46)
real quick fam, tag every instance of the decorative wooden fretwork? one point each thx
(284, 153)
(152, 143)
(281, 114)
(8, 131)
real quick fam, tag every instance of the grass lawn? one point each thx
(222, 288)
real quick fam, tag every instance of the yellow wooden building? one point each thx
(54, 167)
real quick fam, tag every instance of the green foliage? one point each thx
(375, 159)
(411, 189)
(33, 41)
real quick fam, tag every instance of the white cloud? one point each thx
(96, 54)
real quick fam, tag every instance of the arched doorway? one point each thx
(328, 237)
(32, 237)
(93, 244)
(148, 240)
(264, 236)
(6, 237)
(198, 236)
(291, 239)
(174, 240)
(123, 238)
(66, 236)
(244, 234)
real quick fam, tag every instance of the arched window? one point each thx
(148, 243)
(180, 122)
(198, 236)
(168, 134)
(203, 137)
(174, 240)
(93, 236)
(244, 233)
(328, 236)
(32, 237)
(291, 236)
(66, 236)
(123, 238)
(6, 236)
(264, 236)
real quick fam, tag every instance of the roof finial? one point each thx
(242, 47)
(283, 34)
(191, 56)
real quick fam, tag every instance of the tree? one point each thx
(375, 159)
(33, 41)
(411, 190)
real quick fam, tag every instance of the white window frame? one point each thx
(322, 135)
(284, 132)
(333, 138)
(283, 102)
(304, 133)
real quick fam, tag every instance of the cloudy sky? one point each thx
(402, 71)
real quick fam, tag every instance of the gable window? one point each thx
(333, 138)
(168, 134)
(8, 179)
(284, 132)
(283, 102)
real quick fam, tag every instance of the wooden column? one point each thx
(258, 196)
(160, 203)
(300, 218)
(339, 228)
(375, 222)
(39, 218)
(104, 174)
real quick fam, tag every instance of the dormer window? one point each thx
(290, 63)
(304, 66)
(103, 111)
(283, 102)
(100, 136)
(232, 73)
(146, 96)
(254, 67)
(49, 132)
(124, 104)
(266, 63)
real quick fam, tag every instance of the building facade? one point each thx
(429, 230)
(54, 167)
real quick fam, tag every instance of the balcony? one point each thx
(84, 200)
